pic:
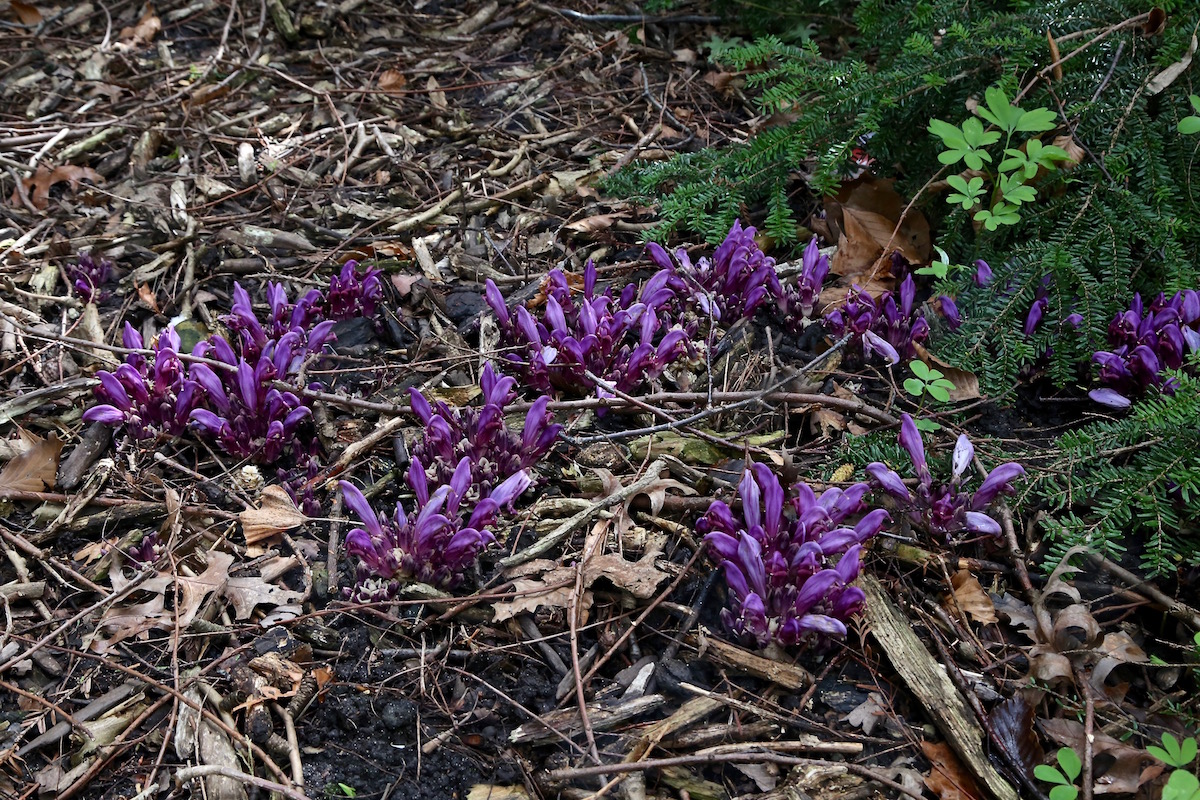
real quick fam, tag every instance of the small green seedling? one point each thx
(1181, 785)
(1174, 753)
(1190, 125)
(942, 267)
(1064, 779)
(928, 381)
(1009, 181)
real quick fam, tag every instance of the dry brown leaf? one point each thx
(1124, 773)
(35, 469)
(27, 13)
(640, 578)
(143, 32)
(247, 593)
(599, 222)
(146, 295)
(867, 212)
(392, 80)
(1075, 628)
(276, 513)
(552, 589)
(1118, 648)
(44, 178)
(868, 714)
(947, 778)
(970, 597)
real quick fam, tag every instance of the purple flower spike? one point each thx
(1146, 340)
(88, 275)
(889, 327)
(493, 451)
(153, 395)
(945, 509)
(786, 581)
(433, 544)
(354, 293)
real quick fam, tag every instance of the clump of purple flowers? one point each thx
(149, 397)
(1146, 341)
(87, 275)
(435, 544)
(492, 449)
(248, 416)
(881, 327)
(302, 324)
(735, 283)
(784, 584)
(620, 338)
(354, 293)
(945, 509)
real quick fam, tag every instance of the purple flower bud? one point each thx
(997, 482)
(982, 523)
(983, 273)
(873, 343)
(964, 454)
(888, 480)
(950, 312)
(104, 414)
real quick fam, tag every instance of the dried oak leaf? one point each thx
(276, 513)
(969, 596)
(947, 778)
(44, 178)
(33, 470)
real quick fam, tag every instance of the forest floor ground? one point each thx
(197, 144)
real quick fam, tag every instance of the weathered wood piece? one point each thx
(928, 681)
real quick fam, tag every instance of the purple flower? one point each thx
(353, 293)
(150, 397)
(87, 275)
(626, 340)
(786, 580)
(945, 509)
(731, 286)
(881, 327)
(301, 324)
(983, 273)
(435, 544)
(950, 312)
(246, 414)
(1146, 341)
(495, 451)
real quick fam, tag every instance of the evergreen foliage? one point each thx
(1140, 473)
(1122, 219)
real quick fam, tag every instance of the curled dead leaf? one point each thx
(44, 178)
(34, 469)
(276, 513)
(969, 596)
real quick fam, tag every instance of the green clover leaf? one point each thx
(1000, 214)
(1015, 190)
(968, 192)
